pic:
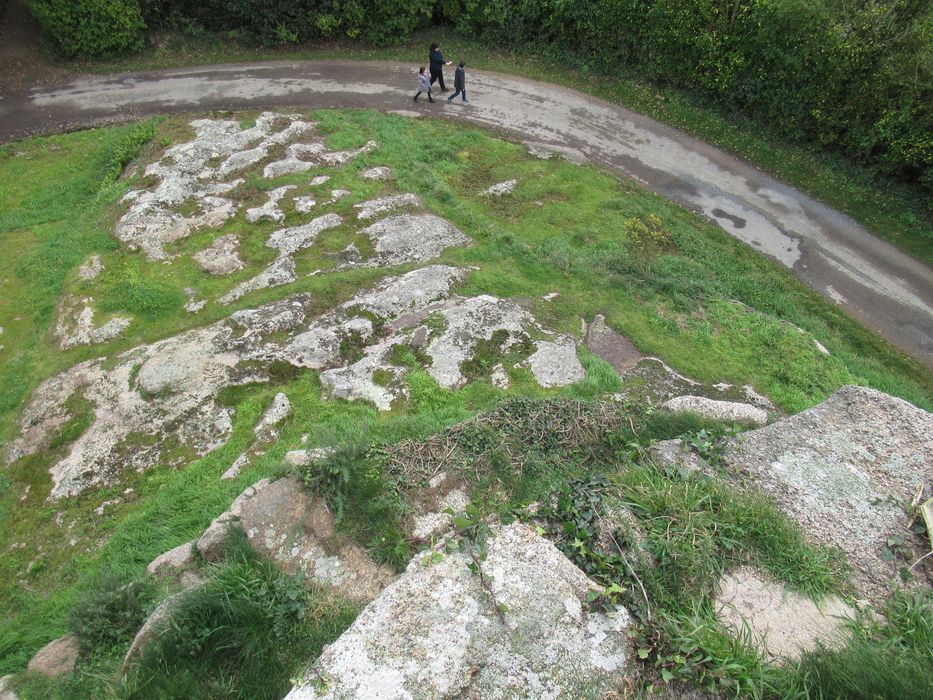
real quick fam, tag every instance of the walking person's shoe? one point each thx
(450, 99)
(466, 101)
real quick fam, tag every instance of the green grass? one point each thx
(897, 212)
(667, 279)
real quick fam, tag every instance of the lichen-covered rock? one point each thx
(500, 189)
(652, 381)
(157, 623)
(842, 469)
(784, 623)
(302, 458)
(185, 173)
(91, 269)
(234, 471)
(173, 560)
(222, 257)
(435, 632)
(302, 157)
(373, 207)
(270, 209)
(6, 688)
(726, 411)
(378, 173)
(56, 658)
(411, 238)
(75, 324)
(287, 241)
(467, 322)
(556, 363)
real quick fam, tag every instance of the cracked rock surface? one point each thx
(434, 632)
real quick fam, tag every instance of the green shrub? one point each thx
(110, 614)
(241, 635)
(91, 28)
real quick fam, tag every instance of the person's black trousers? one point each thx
(438, 75)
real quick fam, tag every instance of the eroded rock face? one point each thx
(75, 325)
(56, 658)
(172, 561)
(842, 469)
(200, 171)
(411, 238)
(378, 173)
(784, 623)
(435, 633)
(169, 387)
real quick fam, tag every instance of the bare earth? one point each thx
(886, 289)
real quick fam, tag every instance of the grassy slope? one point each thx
(566, 229)
(897, 212)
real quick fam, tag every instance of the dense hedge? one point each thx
(91, 28)
(276, 22)
(854, 75)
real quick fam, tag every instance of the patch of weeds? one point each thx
(241, 635)
(282, 372)
(134, 294)
(352, 347)
(366, 504)
(710, 444)
(403, 355)
(487, 353)
(110, 614)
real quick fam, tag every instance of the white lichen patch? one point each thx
(411, 238)
(91, 269)
(222, 257)
(555, 363)
(371, 208)
(302, 157)
(379, 173)
(287, 241)
(359, 380)
(270, 210)
(318, 180)
(337, 195)
(434, 632)
(500, 189)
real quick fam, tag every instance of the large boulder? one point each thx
(713, 409)
(845, 470)
(56, 658)
(436, 632)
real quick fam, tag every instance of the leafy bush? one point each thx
(91, 28)
(110, 614)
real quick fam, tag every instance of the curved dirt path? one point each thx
(886, 289)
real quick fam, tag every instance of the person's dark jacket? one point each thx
(437, 61)
(460, 78)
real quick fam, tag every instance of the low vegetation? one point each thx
(677, 286)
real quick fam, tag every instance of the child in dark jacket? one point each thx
(459, 83)
(424, 84)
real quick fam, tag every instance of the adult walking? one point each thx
(437, 64)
